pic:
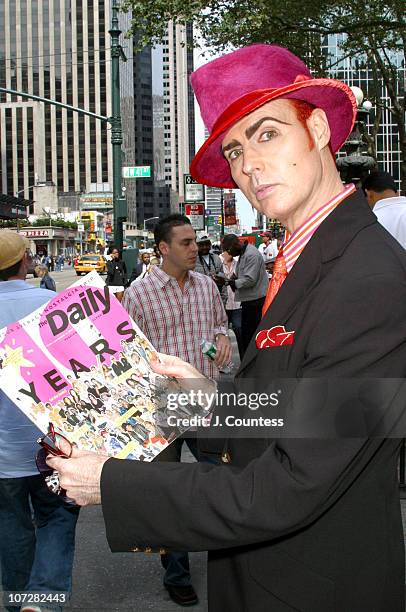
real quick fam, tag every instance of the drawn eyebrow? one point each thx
(231, 145)
(253, 128)
(250, 131)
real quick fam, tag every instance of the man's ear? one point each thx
(369, 194)
(319, 128)
(163, 247)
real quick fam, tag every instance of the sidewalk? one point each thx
(103, 581)
(117, 582)
(127, 581)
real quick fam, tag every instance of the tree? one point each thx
(373, 35)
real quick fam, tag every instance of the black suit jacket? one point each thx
(296, 524)
(137, 270)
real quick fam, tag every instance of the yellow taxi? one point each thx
(89, 262)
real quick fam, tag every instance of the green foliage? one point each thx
(47, 222)
(373, 31)
(4, 223)
(41, 222)
(225, 23)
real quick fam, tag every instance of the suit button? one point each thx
(226, 457)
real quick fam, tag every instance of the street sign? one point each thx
(194, 191)
(136, 171)
(195, 212)
(81, 227)
(210, 220)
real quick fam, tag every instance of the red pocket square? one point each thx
(276, 336)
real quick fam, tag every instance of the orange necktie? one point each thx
(278, 276)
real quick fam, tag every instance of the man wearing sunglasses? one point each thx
(28, 561)
(306, 519)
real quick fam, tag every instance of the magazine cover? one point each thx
(82, 363)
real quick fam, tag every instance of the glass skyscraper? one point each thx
(355, 71)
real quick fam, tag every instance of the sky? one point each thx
(244, 209)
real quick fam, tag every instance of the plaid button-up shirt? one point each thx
(176, 321)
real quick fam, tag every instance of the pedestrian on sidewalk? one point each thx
(233, 308)
(306, 518)
(389, 207)
(250, 283)
(37, 530)
(268, 248)
(177, 308)
(142, 268)
(210, 264)
(47, 282)
(116, 273)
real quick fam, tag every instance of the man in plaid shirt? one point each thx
(176, 309)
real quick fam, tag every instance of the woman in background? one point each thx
(116, 273)
(47, 282)
(233, 308)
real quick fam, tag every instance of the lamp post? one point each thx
(119, 202)
(356, 163)
(17, 193)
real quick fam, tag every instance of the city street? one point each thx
(133, 581)
(106, 581)
(264, 147)
(62, 279)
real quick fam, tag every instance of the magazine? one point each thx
(82, 363)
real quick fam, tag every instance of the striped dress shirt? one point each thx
(296, 242)
(176, 321)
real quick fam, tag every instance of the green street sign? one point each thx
(209, 221)
(136, 171)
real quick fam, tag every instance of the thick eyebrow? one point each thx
(251, 130)
(231, 145)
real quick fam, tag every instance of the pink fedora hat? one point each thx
(234, 85)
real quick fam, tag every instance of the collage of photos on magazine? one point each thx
(81, 364)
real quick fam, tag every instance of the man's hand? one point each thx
(223, 354)
(174, 366)
(219, 280)
(187, 377)
(80, 475)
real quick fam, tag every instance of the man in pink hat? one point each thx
(308, 520)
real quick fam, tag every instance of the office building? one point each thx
(59, 49)
(179, 110)
(354, 71)
(152, 194)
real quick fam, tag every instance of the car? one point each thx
(89, 262)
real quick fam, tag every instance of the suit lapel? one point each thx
(327, 243)
(301, 279)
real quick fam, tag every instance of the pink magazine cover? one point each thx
(82, 363)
